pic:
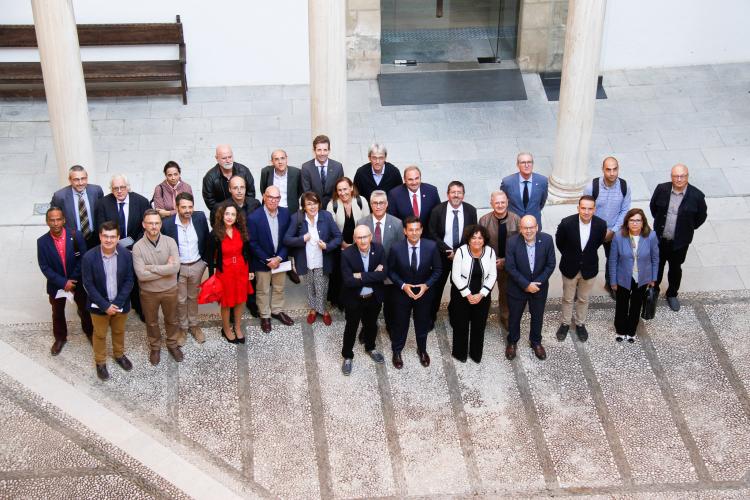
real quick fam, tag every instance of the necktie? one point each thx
(414, 204)
(83, 216)
(378, 234)
(121, 221)
(414, 259)
(525, 194)
(456, 239)
(323, 177)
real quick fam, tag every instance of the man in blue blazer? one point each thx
(529, 261)
(108, 278)
(363, 271)
(266, 229)
(78, 202)
(413, 197)
(189, 229)
(320, 174)
(527, 191)
(59, 254)
(414, 266)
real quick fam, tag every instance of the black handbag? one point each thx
(648, 309)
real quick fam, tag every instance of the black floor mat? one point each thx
(551, 84)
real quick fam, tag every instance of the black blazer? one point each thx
(214, 253)
(366, 184)
(351, 262)
(293, 185)
(106, 210)
(436, 229)
(517, 265)
(691, 214)
(169, 228)
(568, 242)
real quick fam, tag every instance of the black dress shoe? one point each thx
(582, 333)
(124, 363)
(57, 347)
(562, 332)
(539, 351)
(101, 372)
(265, 325)
(231, 341)
(424, 358)
(397, 361)
(510, 351)
(293, 277)
(284, 318)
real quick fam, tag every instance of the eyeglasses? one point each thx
(362, 237)
(119, 188)
(378, 203)
(276, 198)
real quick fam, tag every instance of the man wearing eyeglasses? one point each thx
(678, 209)
(527, 191)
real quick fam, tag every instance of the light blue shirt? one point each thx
(531, 254)
(366, 290)
(611, 205)
(376, 176)
(110, 272)
(88, 209)
(521, 181)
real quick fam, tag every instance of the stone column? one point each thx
(57, 38)
(575, 121)
(327, 29)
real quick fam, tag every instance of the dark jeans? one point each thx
(675, 258)
(516, 306)
(59, 324)
(628, 308)
(365, 311)
(465, 318)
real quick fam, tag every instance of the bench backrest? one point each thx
(93, 35)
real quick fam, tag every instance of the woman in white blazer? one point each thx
(473, 275)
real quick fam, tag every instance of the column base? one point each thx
(560, 193)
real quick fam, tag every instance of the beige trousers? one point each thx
(187, 293)
(269, 292)
(582, 302)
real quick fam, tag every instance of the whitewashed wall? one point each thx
(253, 42)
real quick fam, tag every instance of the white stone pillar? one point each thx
(583, 42)
(57, 38)
(327, 29)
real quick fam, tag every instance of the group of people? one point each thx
(383, 240)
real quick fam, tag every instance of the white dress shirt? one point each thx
(312, 251)
(187, 241)
(448, 237)
(585, 230)
(280, 182)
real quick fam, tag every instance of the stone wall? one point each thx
(541, 35)
(363, 39)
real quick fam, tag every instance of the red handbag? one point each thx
(211, 290)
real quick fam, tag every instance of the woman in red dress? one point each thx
(229, 253)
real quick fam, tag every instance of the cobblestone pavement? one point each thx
(666, 417)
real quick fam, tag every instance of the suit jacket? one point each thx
(65, 199)
(351, 262)
(169, 227)
(261, 242)
(621, 260)
(365, 183)
(568, 241)
(538, 197)
(399, 203)
(311, 179)
(691, 214)
(107, 210)
(216, 186)
(295, 234)
(399, 264)
(51, 265)
(517, 265)
(436, 230)
(95, 281)
(392, 230)
(293, 185)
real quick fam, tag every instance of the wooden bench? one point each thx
(103, 78)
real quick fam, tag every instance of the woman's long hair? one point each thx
(335, 194)
(220, 229)
(645, 228)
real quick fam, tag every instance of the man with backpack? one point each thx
(612, 196)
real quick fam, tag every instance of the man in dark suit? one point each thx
(413, 197)
(377, 174)
(447, 223)
(286, 178)
(59, 254)
(578, 239)
(320, 174)
(530, 261)
(190, 230)
(216, 180)
(126, 209)
(78, 202)
(414, 267)
(266, 228)
(678, 209)
(108, 277)
(363, 270)
(527, 191)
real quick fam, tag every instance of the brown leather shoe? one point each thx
(510, 351)
(57, 347)
(424, 358)
(293, 276)
(539, 351)
(197, 334)
(176, 353)
(154, 357)
(397, 361)
(265, 324)
(284, 318)
(124, 363)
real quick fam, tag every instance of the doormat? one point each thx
(551, 84)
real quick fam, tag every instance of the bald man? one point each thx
(678, 209)
(216, 180)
